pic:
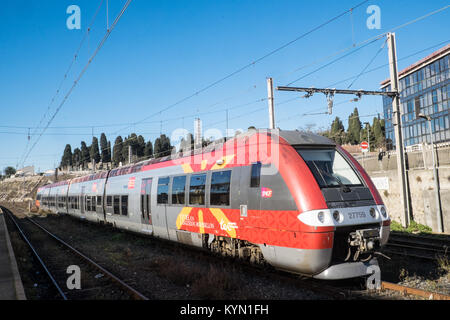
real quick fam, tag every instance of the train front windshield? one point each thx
(329, 168)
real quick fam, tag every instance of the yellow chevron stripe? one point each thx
(223, 220)
(187, 168)
(226, 161)
(200, 221)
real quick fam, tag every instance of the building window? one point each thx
(220, 188)
(197, 189)
(178, 190)
(163, 190)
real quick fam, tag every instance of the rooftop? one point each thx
(421, 63)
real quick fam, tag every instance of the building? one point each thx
(26, 171)
(424, 88)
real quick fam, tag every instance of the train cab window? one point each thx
(163, 191)
(329, 168)
(197, 189)
(178, 190)
(109, 201)
(256, 175)
(220, 188)
(124, 205)
(116, 204)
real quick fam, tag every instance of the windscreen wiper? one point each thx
(343, 186)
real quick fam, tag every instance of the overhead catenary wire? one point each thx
(418, 19)
(100, 45)
(196, 93)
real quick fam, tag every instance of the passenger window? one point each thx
(109, 201)
(116, 204)
(220, 188)
(256, 175)
(197, 189)
(163, 190)
(124, 205)
(178, 190)
(99, 201)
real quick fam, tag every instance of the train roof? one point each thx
(293, 137)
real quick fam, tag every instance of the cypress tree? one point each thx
(85, 156)
(117, 151)
(148, 151)
(66, 159)
(94, 151)
(104, 147)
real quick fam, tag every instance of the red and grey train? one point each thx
(294, 200)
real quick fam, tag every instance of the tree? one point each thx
(9, 171)
(337, 132)
(76, 157)
(354, 128)
(187, 144)
(117, 151)
(104, 150)
(140, 146)
(85, 156)
(94, 152)
(162, 146)
(66, 159)
(148, 151)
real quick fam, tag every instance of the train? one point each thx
(294, 200)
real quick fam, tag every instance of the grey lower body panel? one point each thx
(349, 270)
(302, 261)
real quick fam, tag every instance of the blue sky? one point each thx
(163, 51)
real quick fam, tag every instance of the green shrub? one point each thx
(413, 227)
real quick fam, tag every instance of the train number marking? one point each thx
(356, 215)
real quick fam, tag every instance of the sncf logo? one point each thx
(266, 192)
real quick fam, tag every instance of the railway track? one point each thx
(55, 256)
(423, 247)
(340, 291)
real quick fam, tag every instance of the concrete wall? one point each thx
(421, 183)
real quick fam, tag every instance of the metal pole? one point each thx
(401, 168)
(270, 101)
(436, 181)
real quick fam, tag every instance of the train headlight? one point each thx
(372, 212)
(336, 216)
(383, 212)
(321, 216)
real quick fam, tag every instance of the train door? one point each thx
(82, 201)
(160, 209)
(250, 188)
(146, 208)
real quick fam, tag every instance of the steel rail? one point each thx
(25, 238)
(136, 294)
(413, 291)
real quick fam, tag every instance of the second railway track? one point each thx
(55, 256)
(424, 247)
